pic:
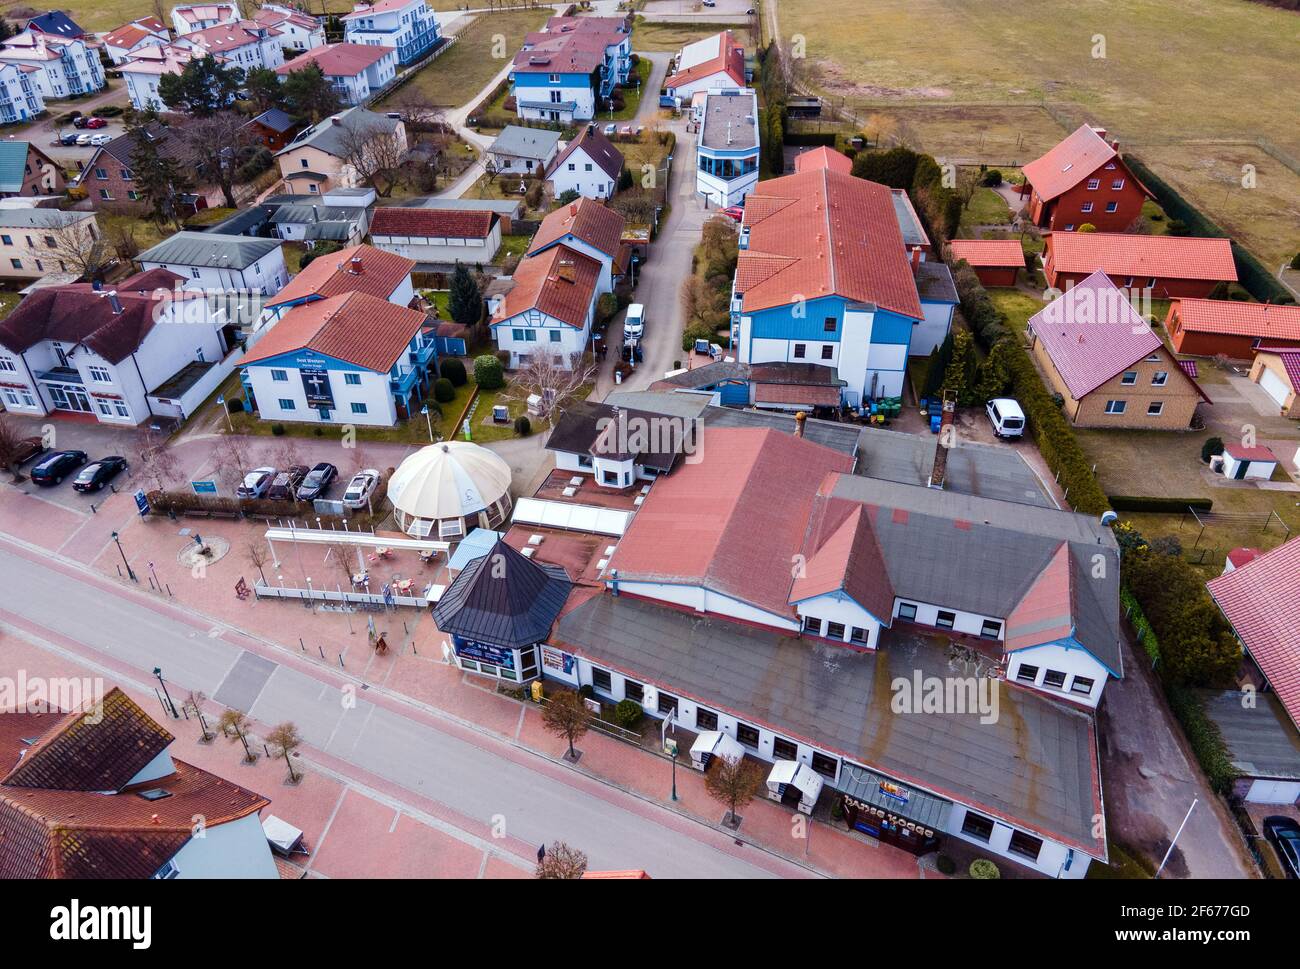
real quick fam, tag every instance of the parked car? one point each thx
(285, 485)
(98, 140)
(54, 467)
(1284, 834)
(360, 488)
(79, 121)
(709, 3)
(69, 139)
(83, 139)
(28, 448)
(256, 483)
(610, 129)
(317, 482)
(734, 212)
(96, 123)
(1006, 416)
(94, 476)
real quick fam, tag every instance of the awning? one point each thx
(718, 744)
(797, 774)
(876, 790)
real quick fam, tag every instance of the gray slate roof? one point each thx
(40, 218)
(1262, 742)
(209, 249)
(521, 142)
(686, 404)
(330, 135)
(504, 599)
(934, 283)
(1033, 766)
(708, 375)
(841, 437)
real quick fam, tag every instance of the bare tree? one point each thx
(287, 454)
(880, 127)
(122, 237)
(11, 446)
(555, 385)
(194, 704)
(258, 555)
(491, 170)
(155, 462)
(416, 110)
(284, 740)
(232, 457)
(733, 781)
(236, 722)
(561, 861)
(566, 716)
(211, 146)
(968, 182)
(76, 247)
(376, 153)
(344, 558)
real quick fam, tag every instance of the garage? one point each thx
(1274, 386)
(1273, 792)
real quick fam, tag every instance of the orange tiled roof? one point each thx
(823, 157)
(730, 60)
(541, 283)
(338, 60)
(989, 253)
(586, 219)
(379, 273)
(358, 328)
(1266, 320)
(1070, 162)
(1126, 254)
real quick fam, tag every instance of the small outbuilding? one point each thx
(1246, 463)
(996, 262)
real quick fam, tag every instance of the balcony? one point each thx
(60, 375)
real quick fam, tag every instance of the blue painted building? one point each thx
(569, 71)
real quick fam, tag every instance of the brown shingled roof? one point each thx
(431, 223)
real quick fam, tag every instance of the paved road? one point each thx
(480, 779)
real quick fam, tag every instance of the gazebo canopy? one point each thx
(448, 480)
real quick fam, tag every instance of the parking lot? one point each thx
(685, 11)
(76, 156)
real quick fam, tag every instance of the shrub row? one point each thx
(1251, 273)
(810, 139)
(1159, 505)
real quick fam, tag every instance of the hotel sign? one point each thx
(485, 653)
(316, 385)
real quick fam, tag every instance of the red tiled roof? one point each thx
(1257, 453)
(391, 220)
(379, 274)
(733, 522)
(730, 60)
(822, 233)
(598, 148)
(1240, 556)
(358, 328)
(338, 60)
(587, 220)
(1263, 320)
(842, 553)
(1141, 256)
(137, 30)
(227, 37)
(541, 283)
(1290, 357)
(560, 53)
(1189, 368)
(820, 396)
(77, 313)
(1092, 332)
(198, 12)
(991, 253)
(1262, 601)
(1076, 157)
(823, 157)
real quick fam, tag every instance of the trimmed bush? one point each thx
(982, 868)
(992, 178)
(1210, 448)
(945, 865)
(235, 405)
(454, 370)
(277, 430)
(1158, 505)
(523, 426)
(628, 714)
(489, 374)
(1203, 735)
(443, 391)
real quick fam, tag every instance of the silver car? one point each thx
(361, 488)
(256, 483)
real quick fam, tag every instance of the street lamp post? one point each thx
(129, 571)
(157, 671)
(674, 772)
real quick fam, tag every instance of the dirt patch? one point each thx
(832, 77)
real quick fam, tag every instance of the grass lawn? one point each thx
(632, 95)
(655, 36)
(1015, 306)
(986, 207)
(512, 245)
(147, 232)
(211, 216)
(457, 77)
(104, 15)
(7, 303)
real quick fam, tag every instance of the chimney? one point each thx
(354, 265)
(799, 420)
(573, 208)
(114, 301)
(916, 258)
(315, 214)
(567, 271)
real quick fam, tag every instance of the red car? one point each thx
(734, 212)
(96, 123)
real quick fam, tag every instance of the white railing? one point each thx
(265, 591)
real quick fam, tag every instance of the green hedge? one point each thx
(1251, 273)
(1152, 504)
(1203, 735)
(1141, 626)
(810, 139)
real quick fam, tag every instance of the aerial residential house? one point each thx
(346, 359)
(567, 71)
(1277, 371)
(316, 161)
(1168, 266)
(65, 66)
(298, 31)
(34, 242)
(355, 71)
(340, 216)
(437, 237)
(85, 349)
(273, 129)
(996, 262)
(551, 307)
(110, 183)
(407, 25)
(1084, 181)
(823, 157)
(56, 23)
(823, 278)
(588, 227)
(26, 170)
(596, 439)
(1236, 329)
(590, 166)
(245, 44)
(130, 38)
(20, 95)
(200, 16)
(95, 793)
(521, 151)
(220, 263)
(727, 152)
(1104, 359)
(714, 63)
(144, 69)
(360, 269)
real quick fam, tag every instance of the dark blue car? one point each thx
(56, 466)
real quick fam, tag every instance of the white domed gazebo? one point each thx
(447, 490)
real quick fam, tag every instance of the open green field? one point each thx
(104, 15)
(484, 48)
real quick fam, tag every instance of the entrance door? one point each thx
(79, 401)
(1241, 470)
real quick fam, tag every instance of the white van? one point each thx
(634, 322)
(1006, 416)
